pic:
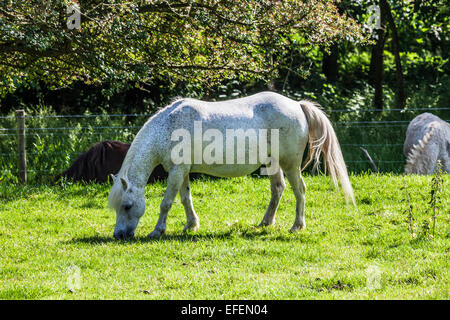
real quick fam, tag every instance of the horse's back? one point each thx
(266, 109)
(420, 126)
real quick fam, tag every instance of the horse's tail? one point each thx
(323, 140)
(418, 160)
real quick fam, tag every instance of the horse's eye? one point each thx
(127, 207)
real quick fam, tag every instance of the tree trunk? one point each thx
(330, 64)
(401, 96)
(376, 62)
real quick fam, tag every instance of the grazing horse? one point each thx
(101, 160)
(427, 141)
(294, 123)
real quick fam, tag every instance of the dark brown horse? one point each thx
(103, 159)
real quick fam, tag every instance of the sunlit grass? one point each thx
(343, 253)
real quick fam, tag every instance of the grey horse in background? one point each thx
(427, 141)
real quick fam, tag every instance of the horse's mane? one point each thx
(134, 147)
(111, 157)
(426, 138)
(417, 161)
(98, 162)
(101, 160)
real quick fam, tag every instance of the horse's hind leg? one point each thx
(299, 188)
(186, 199)
(174, 182)
(277, 186)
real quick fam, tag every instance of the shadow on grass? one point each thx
(253, 233)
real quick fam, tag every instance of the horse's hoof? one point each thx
(296, 228)
(264, 224)
(191, 227)
(155, 234)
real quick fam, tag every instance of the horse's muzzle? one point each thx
(123, 234)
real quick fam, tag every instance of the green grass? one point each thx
(342, 254)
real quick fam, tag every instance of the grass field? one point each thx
(56, 243)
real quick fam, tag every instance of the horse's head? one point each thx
(129, 203)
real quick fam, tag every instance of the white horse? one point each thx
(427, 141)
(297, 124)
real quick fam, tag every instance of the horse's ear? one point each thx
(124, 184)
(113, 178)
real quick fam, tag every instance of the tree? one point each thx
(376, 60)
(330, 64)
(203, 42)
(401, 97)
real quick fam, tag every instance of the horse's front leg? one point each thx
(174, 182)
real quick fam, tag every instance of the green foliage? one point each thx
(193, 41)
(135, 58)
(435, 204)
(436, 194)
(53, 143)
(153, 52)
(409, 211)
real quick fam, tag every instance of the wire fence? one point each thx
(53, 142)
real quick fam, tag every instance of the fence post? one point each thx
(20, 115)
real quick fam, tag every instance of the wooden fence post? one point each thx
(20, 115)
